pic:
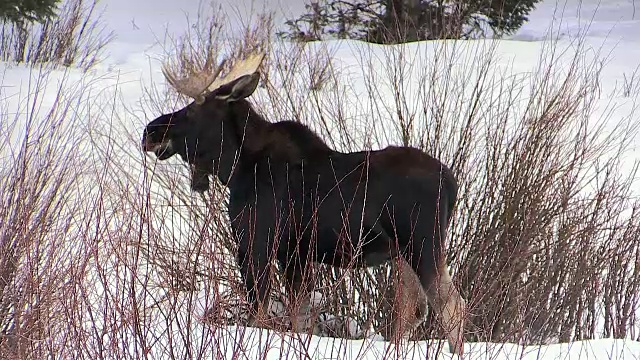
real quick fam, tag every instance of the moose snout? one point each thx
(145, 144)
(148, 145)
(163, 150)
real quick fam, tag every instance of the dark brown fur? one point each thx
(295, 199)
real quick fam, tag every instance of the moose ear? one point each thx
(238, 89)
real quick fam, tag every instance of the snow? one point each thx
(132, 68)
(616, 20)
(265, 344)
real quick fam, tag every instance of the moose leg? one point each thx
(447, 302)
(408, 298)
(299, 287)
(255, 273)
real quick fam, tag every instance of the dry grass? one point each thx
(109, 254)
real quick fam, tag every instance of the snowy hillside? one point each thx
(120, 218)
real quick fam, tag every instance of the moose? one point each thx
(295, 199)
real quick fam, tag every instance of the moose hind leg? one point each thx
(448, 304)
(408, 298)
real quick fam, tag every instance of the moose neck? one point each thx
(243, 134)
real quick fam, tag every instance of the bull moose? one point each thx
(293, 198)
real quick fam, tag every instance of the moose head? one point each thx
(197, 131)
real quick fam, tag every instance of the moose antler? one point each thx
(247, 66)
(198, 84)
(194, 85)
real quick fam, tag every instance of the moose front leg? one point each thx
(299, 285)
(257, 248)
(255, 273)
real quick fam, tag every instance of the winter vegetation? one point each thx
(106, 252)
(75, 37)
(397, 21)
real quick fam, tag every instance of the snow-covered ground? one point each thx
(266, 345)
(611, 28)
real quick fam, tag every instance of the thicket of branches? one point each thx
(397, 21)
(546, 213)
(109, 254)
